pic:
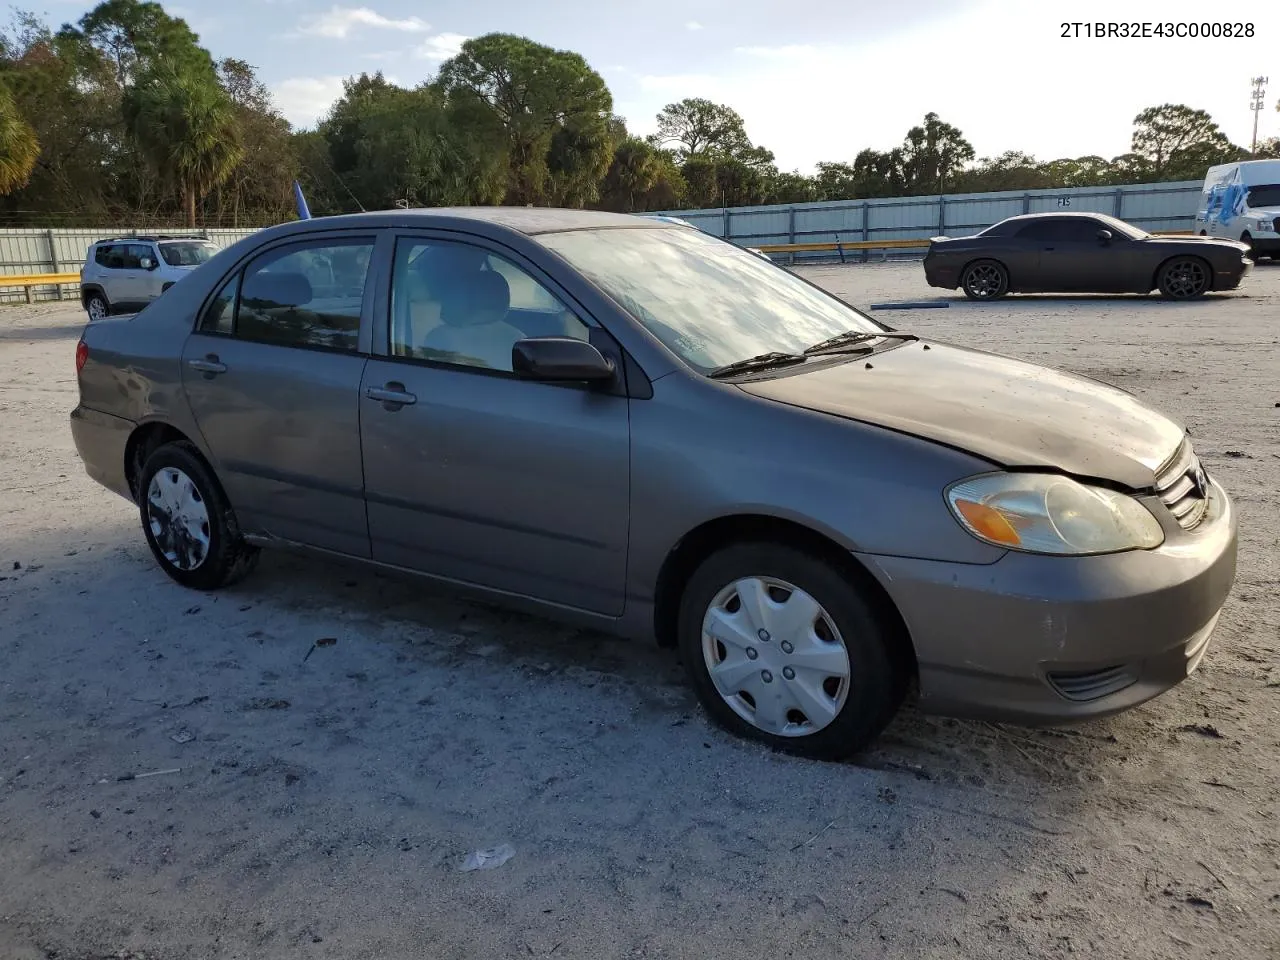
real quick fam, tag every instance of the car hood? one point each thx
(1014, 413)
(1196, 238)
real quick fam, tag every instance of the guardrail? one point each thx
(841, 246)
(30, 280)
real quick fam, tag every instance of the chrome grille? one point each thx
(1182, 485)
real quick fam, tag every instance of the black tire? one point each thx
(228, 558)
(878, 671)
(1184, 278)
(985, 280)
(1247, 240)
(97, 302)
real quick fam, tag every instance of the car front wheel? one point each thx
(985, 280)
(188, 523)
(1183, 278)
(783, 648)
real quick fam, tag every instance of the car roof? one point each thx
(1064, 214)
(526, 220)
(157, 238)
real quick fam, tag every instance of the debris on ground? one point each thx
(1204, 729)
(322, 642)
(489, 859)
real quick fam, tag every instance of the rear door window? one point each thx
(301, 295)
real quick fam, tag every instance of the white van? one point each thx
(1241, 201)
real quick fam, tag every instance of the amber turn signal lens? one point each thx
(988, 522)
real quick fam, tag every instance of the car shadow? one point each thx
(944, 750)
(33, 334)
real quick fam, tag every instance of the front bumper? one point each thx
(1038, 639)
(1265, 245)
(100, 440)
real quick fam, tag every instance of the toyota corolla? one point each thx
(631, 424)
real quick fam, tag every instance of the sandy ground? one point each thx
(322, 805)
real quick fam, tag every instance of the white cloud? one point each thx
(792, 51)
(304, 100)
(442, 46)
(693, 25)
(815, 99)
(339, 22)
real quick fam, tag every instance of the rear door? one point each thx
(472, 474)
(272, 374)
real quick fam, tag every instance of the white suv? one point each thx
(123, 275)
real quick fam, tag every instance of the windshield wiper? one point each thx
(841, 341)
(761, 361)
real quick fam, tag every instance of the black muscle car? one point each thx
(1082, 253)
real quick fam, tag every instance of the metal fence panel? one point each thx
(47, 250)
(1152, 206)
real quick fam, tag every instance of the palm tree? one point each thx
(186, 124)
(19, 147)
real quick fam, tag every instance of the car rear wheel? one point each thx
(1183, 278)
(96, 307)
(985, 280)
(782, 648)
(189, 526)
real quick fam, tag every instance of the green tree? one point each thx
(384, 144)
(185, 124)
(136, 35)
(555, 110)
(1175, 142)
(931, 154)
(66, 92)
(793, 187)
(259, 189)
(696, 126)
(19, 147)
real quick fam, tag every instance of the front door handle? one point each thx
(393, 396)
(210, 366)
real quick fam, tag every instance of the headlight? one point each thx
(1266, 225)
(1045, 513)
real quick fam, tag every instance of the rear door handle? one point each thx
(210, 366)
(393, 396)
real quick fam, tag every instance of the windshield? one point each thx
(1264, 195)
(710, 302)
(186, 254)
(1121, 227)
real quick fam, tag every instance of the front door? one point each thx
(273, 374)
(1071, 258)
(128, 286)
(477, 476)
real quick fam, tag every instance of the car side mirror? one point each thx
(1104, 236)
(559, 360)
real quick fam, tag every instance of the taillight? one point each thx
(82, 354)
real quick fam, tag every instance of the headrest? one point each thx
(446, 259)
(266, 290)
(476, 298)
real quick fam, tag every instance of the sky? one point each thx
(814, 81)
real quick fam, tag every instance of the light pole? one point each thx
(1259, 89)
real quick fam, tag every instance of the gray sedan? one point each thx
(639, 427)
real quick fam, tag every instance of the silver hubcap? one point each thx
(178, 518)
(1186, 278)
(96, 309)
(984, 281)
(775, 656)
